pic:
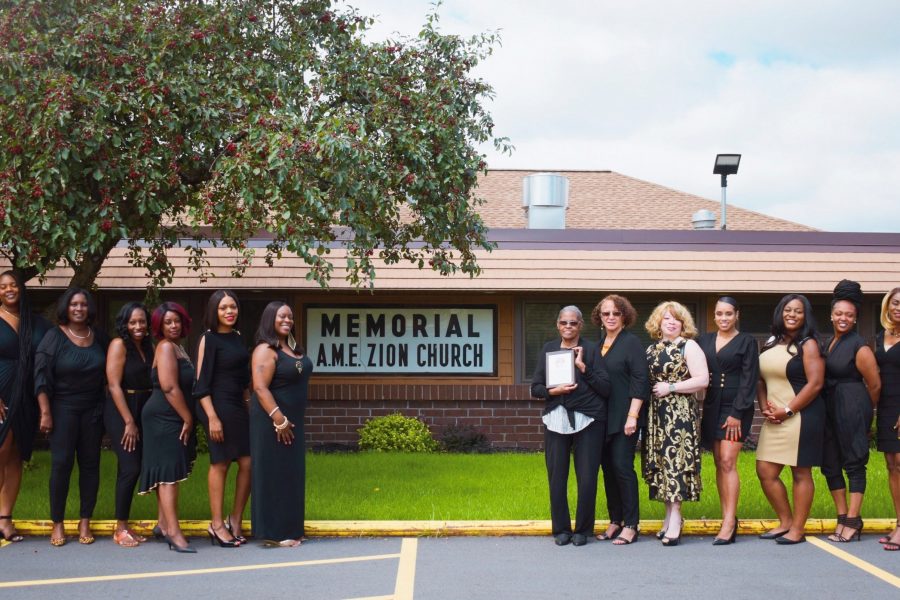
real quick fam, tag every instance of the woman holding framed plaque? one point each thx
(570, 377)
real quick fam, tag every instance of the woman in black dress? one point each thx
(626, 363)
(792, 373)
(20, 333)
(671, 454)
(69, 378)
(222, 394)
(280, 382)
(733, 360)
(887, 353)
(575, 424)
(852, 387)
(128, 361)
(170, 445)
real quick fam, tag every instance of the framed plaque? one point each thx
(560, 368)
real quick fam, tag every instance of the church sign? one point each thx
(425, 340)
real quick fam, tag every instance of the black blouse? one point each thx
(70, 373)
(225, 371)
(590, 397)
(626, 363)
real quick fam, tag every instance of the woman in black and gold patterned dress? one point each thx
(671, 454)
(792, 372)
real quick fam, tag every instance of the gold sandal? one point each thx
(124, 538)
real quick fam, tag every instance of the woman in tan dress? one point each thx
(792, 371)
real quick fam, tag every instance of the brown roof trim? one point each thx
(705, 240)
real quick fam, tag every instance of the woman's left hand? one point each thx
(286, 435)
(579, 358)
(732, 429)
(661, 389)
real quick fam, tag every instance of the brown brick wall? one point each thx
(506, 414)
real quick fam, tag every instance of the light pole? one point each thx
(726, 164)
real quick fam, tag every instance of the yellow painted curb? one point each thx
(451, 528)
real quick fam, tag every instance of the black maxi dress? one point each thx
(21, 408)
(733, 374)
(889, 404)
(166, 459)
(279, 471)
(849, 412)
(224, 375)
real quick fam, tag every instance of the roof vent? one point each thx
(545, 197)
(704, 219)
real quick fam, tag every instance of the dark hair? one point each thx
(62, 306)
(24, 372)
(849, 291)
(156, 321)
(808, 330)
(729, 300)
(211, 316)
(629, 315)
(122, 328)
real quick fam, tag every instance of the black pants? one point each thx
(129, 463)
(620, 480)
(77, 431)
(587, 448)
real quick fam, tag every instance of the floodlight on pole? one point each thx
(726, 164)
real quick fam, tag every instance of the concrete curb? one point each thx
(451, 528)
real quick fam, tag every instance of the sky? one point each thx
(807, 91)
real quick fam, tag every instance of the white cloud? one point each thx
(805, 90)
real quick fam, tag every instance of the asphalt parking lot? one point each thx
(452, 568)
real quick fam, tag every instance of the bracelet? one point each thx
(274, 410)
(284, 425)
(634, 415)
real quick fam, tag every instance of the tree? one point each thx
(173, 122)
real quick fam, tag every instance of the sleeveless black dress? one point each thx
(224, 375)
(166, 458)
(279, 471)
(889, 404)
(733, 374)
(22, 410)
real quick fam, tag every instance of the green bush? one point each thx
(202, 442)
(396, 433)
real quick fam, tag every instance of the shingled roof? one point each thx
(610, 200)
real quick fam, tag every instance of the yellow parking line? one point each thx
(856, 562)
(406, 571)
(97, 578)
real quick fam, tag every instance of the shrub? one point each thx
(396, 433)
(464, 438)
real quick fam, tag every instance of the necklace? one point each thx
(80, 337)
(12, 314)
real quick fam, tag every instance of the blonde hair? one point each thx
(885, 320)
(677, 310)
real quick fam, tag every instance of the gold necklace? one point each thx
(13, 315)
(80, 337)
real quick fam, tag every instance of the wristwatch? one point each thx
(788, 411)
(671, 388)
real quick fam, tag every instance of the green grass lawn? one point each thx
(369, 486)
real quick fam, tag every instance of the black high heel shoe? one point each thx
(669, 542)
(227, 523)
(730, 539)
(158, 534)
(215, 539)
(854, 523)
(187, 549)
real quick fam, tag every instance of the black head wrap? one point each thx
(849, 291)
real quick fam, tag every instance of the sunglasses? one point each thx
(611, 314)
(569, 323)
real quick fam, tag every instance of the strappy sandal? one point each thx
(610, 536)
(621, 541)
(887, 538)
(841, 523)
(15, 536)
(123, 538)
(241, 539)
(853, 523)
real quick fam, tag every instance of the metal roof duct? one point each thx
(704, 219)
(545, 197)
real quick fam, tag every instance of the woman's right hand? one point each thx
(130, 437)
(46, 425)
(2, 411)
(216, 433)
(630, 426)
